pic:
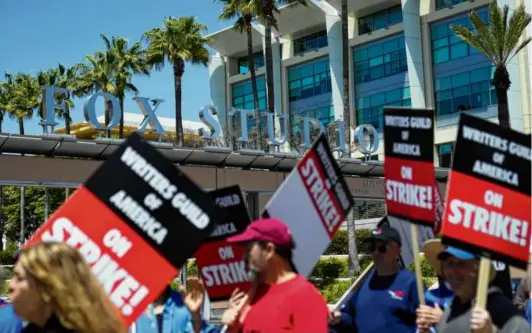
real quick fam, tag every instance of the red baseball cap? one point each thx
(266, 230)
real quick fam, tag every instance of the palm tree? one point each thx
(68, 78)
(98, 74)
(237, 9)
(5, 90)
(265, 10)
(178, 41)
(129, 61)
(499, 42)
(25, 98)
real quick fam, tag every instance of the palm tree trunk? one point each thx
(21, 126)
(2, 225)
(108, 110)
(353, 264)
(121, 128)
(22, 216)
(501, 82)
(179, 70)
(67, 119)
(268, 12)
(67, 193)
(345, 74)
(251, 64)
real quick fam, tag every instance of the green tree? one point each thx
(129, 60)
(499, 42)
(180, 40)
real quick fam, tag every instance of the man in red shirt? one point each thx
(280, 299)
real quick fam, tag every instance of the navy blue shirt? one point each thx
(382, 304)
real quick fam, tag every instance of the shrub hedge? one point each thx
(339, 244)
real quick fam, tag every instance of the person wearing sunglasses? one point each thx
(387, 300)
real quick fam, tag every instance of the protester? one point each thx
(387, 300)
(175, 311)
(460, 269)
(9, 321)
(280, 299)
(522, 294)
(55, 291)
(528, 312)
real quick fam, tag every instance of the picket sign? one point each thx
(313, 201)
(410, 185)
(487, 210)
(137, 208)
(222, 265)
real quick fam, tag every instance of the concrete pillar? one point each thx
(276, 62)
(217, 81)
(514, 94)
(333, 22)
(414, 51)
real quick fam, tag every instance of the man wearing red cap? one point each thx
(280, 300)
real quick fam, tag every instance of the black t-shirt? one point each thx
(160, 322)
(53, 325)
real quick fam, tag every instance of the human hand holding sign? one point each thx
(193, 299)
(481, 321)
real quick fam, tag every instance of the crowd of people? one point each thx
(53, 291)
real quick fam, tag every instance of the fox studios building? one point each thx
(402, 53)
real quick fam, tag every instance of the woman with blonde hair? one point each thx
(54, 290)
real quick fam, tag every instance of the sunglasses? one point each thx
(382, 248)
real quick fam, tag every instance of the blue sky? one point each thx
(40, 34)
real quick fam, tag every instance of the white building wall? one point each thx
(414, 51)
(333, 22)
(217, 82)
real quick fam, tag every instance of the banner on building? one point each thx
(222, 265)
(313, 201)
(488, 198)
(135, 221)
(409, 164)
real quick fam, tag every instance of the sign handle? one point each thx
(355, 285)
(417, 264)
(482, 284)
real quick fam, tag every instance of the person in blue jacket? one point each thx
(528, 312)
(9, 321)
(175, 311)
(387, 300)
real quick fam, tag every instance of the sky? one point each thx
(37, 35)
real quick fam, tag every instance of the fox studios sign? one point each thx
(208, 115)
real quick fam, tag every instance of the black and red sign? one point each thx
(135, 221)
(409, 164)
(222, 265)
(488, 198)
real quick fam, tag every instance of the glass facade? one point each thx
(310, 42)
(381, 59)
(310, 79)
(380, 20)
(242, 97)
(447, 3)
(324, 114)
(445, 45)
(465, 91)
(369, 108)
(445, 154)
(243, 66)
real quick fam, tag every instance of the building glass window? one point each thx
(440, 4)
(445, 154)
(380, 20)
(243, 66)
(445, 45)
(325, 114)
(376, 61)
(369, 108)
(465, 91)
(242, 95)
(309, 80)
(310, 42)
